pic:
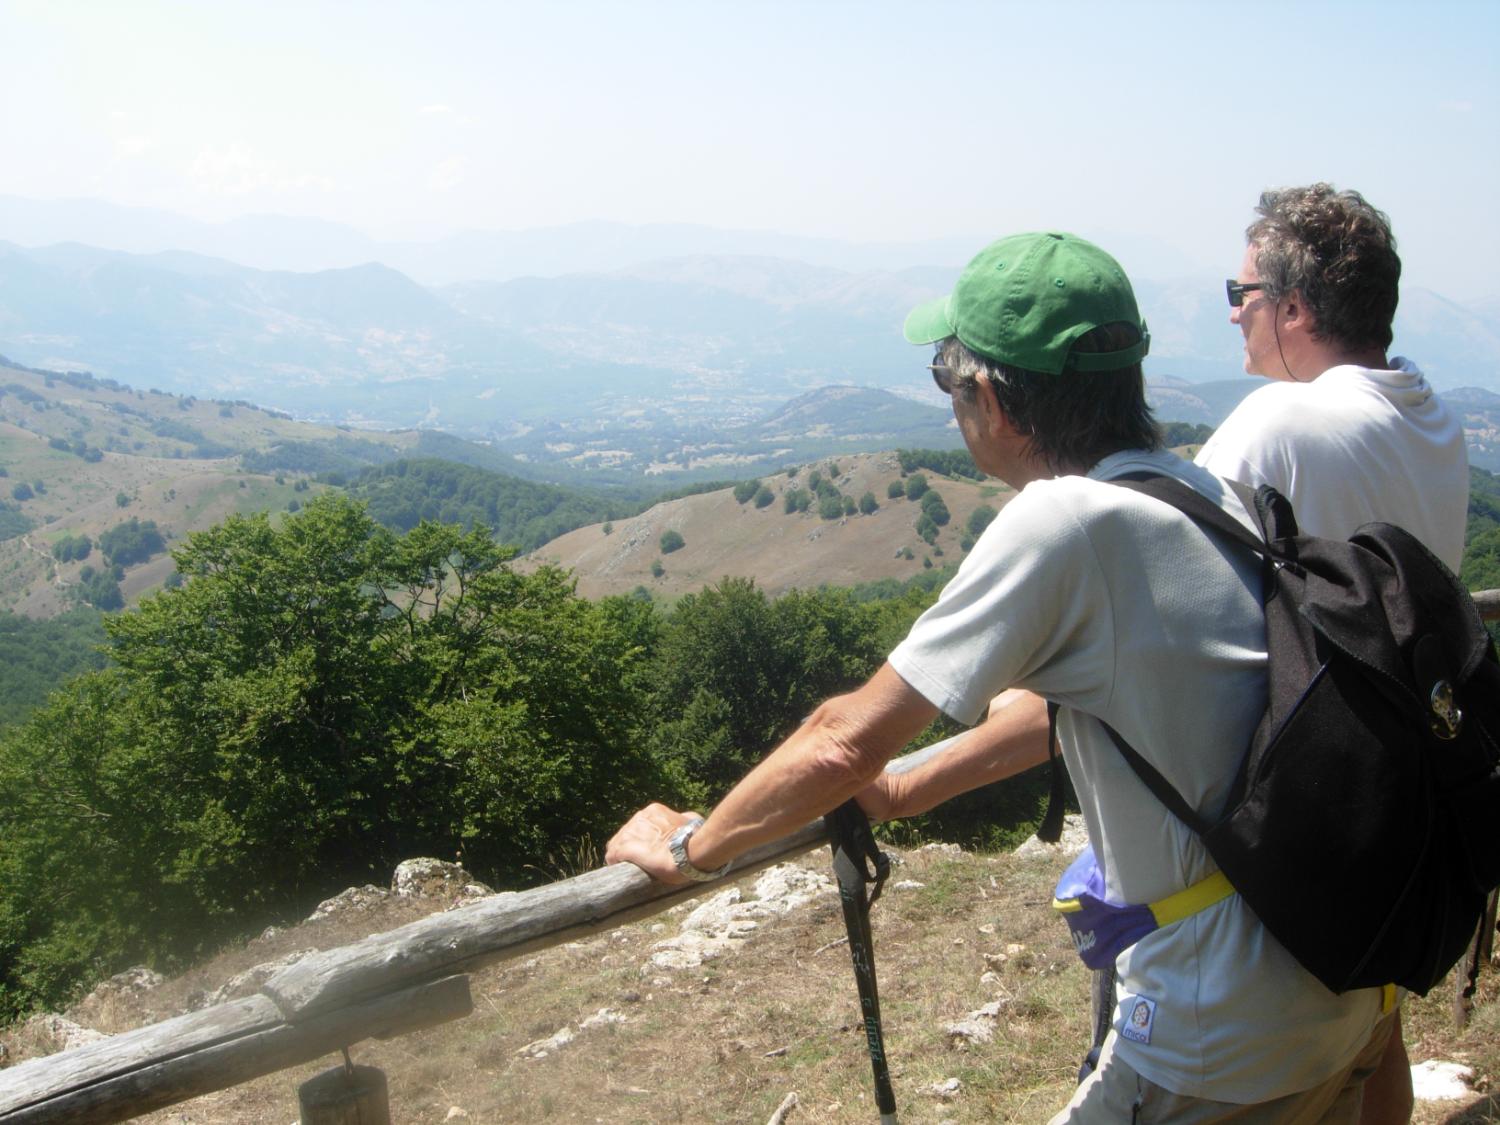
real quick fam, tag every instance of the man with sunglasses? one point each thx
(1347, 435)
(1119, 609)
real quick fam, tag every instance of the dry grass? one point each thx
(727, 1041)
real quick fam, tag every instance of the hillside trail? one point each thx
(54, 574)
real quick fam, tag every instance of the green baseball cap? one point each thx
(1026, 299)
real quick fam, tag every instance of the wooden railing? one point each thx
(386, 985)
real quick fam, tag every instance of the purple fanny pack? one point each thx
(1101, 929)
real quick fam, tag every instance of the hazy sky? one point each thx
(869, 121)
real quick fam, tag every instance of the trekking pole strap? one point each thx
(861, 868)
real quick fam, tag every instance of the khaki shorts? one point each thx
(1116, 1094)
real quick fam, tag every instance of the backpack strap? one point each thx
(1275, 515)
(1271, 508)
(1152, 779)
(1050, 830)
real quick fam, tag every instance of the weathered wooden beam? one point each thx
(1488, 602)
(509, 925)
(496, 929)
(388, 984)
(126, 1075)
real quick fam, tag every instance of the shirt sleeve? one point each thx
(1028, 608)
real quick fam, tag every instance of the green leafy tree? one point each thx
(131, 542)
(895, 490)
(38, 657)
(72, 548)
(867, 503)
(916, 484)
(980, 518)
(934, 508)
(764, 497)
(100, 589)
(1481, 562)
(736, 672)
(672, 540)
(320, 700)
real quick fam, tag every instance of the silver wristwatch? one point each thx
(677, 845)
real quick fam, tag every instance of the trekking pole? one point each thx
(859, 863)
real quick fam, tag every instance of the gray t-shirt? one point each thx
(1115, 605)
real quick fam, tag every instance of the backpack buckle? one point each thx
(1446, 719)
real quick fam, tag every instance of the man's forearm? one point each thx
(832, 756)
(1011, 740)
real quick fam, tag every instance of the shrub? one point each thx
(934, 508)
(980, 518)
(916, 484)
(895, 490)
(745, 490)
(21, 491)
(72, 548)
(131, 542)
(764, 496)
(867, 503)
(671, 541)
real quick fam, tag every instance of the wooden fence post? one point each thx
(345, 1095)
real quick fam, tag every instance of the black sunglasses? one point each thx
(942, 375)
(1237, 291)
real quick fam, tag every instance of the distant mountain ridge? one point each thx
(601, 372)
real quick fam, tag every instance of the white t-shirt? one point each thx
(1116, 605)
(1353, 445)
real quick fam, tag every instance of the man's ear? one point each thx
(1294, 312)
(997, 423)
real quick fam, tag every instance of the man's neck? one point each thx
(1318, 359)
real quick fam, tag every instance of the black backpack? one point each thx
(1363, 826)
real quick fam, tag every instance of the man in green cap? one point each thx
(1119, 609)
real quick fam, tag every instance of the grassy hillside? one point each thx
(94, 453)
(780, 550)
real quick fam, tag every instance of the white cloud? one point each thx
(436, 109)
(1462, 106)
(131, 147)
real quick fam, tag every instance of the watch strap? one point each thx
(677, 845)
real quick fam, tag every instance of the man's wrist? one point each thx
(677, 844)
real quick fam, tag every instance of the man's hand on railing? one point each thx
(642, 840)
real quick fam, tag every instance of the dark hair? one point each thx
(1338, 252)
(1072, 420)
